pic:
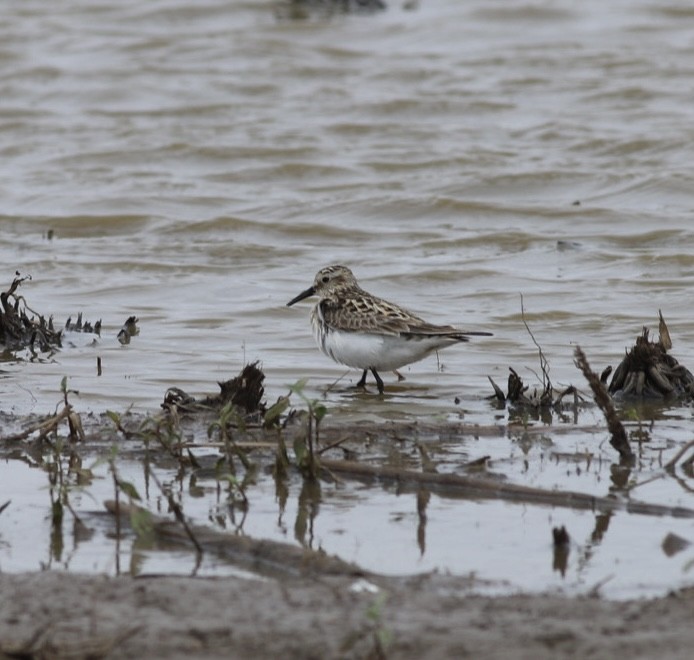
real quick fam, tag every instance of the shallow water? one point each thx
(396, 530)
(195, 165)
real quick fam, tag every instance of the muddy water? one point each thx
(194, 165)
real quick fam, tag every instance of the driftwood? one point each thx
(262, 556)
(648, 370)
(477, 487)
(43, 428)
(618, 437)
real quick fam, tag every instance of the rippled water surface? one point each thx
(194, 164)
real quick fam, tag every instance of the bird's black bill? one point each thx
(304, 294)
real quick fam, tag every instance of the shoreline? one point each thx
(54, 614)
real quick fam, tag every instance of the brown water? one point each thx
(196, 163)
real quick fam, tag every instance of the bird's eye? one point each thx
(325, 279)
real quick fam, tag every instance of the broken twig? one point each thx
(603, 400)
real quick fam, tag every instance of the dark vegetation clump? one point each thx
(23, 328)
(520, 395)
(648, 370)
(128, 330)
(18, 330)
(79, 326)
(244, 392)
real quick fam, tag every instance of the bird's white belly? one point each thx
(370, 351)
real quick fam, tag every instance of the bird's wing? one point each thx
(359, 313)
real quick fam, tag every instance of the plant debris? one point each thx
(129, 330)
(17, 329)
(86, 327)
(648, 370)
(518, 392)
(244, 392)
(20, 331)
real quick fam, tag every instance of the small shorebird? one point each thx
(365, 332)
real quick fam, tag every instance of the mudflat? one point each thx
(56, 615)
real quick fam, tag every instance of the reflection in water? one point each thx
(281, 496)
(56, 542)
(307, 510)
(619, 476)
(238, 520)
(602, 523)
(438, 536)
(562, 545)
(423, 497)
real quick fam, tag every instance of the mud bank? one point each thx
(61, 615)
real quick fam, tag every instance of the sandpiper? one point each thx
(365, 332)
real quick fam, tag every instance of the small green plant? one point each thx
(140, 519)
(304, 446)
(640, 434)
(229, 417)
(271, 420)
(73, 419)
(59, 478)
(382, 637)
(165, 430)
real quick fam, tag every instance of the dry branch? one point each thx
(603, 400)
(42, 428)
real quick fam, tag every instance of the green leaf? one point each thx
(63, 385)
(129, 489)
(85, 474)
(299, 386)
(233, 481)
(113, 416)
(319, 411)
(141, 521)
(275, 411)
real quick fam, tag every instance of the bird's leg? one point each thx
(399, 375)
(379, 382)
(362, 380)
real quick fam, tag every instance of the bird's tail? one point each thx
(463, 335)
